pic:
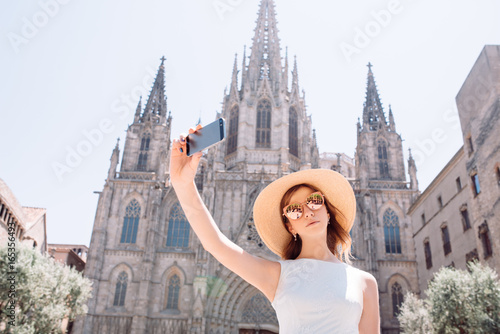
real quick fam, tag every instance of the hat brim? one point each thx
(266, 211)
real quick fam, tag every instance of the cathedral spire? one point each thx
(392, 124)
(412, 171)
(265, 45)
(157, 103)
(373, 113)
(244, 68)
(233, 91)
(114, 161)
(138, 110)
(285, 71)
(295, 74)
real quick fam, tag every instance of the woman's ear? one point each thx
(289, 227)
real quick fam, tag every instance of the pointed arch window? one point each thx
(131, 222)
(232, 138)
(263, 135)
(382, 160)
(173, 289)
(397, 298)
(121, 289)
(391, 232)
(293, 132)
(178, 228)
(143, 152)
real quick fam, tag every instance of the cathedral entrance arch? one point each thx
(258, 316)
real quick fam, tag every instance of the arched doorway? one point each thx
(258, 317)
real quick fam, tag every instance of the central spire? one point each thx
(157, 103)
(373, 113)
(265, 59)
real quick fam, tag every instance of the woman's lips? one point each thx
(311, 223)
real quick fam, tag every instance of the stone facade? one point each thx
(28, 225)
(441, 222)
(478, 103)
(150, 273)
(456, 219)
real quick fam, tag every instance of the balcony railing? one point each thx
(141, 176)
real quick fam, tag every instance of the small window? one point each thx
(498, 175)
(471, 146)
(445, 234)
(484, 235)
(475, 184)
(428, 254)
(423, 218)
(459, 183)
(440, 201)
(465, 219)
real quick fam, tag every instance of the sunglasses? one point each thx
(294, 211)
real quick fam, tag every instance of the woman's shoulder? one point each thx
(364, 275)
(367, 280)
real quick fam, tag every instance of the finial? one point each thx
(369, 67)
(162, 60)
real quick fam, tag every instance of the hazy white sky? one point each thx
(73, 70)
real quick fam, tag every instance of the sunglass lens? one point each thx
(314, 202)
(294, 211)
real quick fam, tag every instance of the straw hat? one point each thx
(267, 212)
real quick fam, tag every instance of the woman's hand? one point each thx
(183, 168)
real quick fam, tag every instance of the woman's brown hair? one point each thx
(336, 236)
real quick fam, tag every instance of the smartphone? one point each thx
(207, 136)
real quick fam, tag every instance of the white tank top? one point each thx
(319, 297)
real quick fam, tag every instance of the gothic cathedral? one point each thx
(150, 273)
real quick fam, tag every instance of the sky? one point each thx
(72, 73)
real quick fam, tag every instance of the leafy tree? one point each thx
(45, 292)
(458, 301)
(413, 316)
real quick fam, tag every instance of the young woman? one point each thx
(305, 218)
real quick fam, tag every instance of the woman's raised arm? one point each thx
(261, 273)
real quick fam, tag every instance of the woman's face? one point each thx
(311, 222)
